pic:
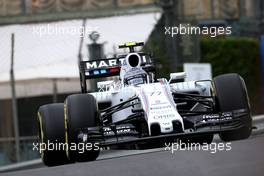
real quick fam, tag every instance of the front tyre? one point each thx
(231, 94)
(51, 132)
(81, 111)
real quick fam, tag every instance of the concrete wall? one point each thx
(40, 87)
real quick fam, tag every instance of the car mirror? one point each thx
(175, 76)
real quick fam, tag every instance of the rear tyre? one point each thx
(51, 132)
(231, 94)
(81, 111)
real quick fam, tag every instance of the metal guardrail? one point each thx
(7, 148)
(258, 123)
(21, 166)
(258, 119)
(12, 139)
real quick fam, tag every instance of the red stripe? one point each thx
(167, 92)
(145, 101)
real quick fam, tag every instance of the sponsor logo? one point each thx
(104, 63)
(216, 117)
(213, 116)
(166, 116)
(158, 102)
(161, 107)
(161, 111)
(166, 124)
(108, 63)
(119, 130)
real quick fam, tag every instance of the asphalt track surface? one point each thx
(246, 158)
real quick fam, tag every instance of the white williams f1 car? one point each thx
(135, 109)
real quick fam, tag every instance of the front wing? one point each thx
(126, 134)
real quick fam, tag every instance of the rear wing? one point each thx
(111, 67)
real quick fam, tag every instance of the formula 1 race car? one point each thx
(135, 109)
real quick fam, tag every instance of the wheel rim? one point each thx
(41, 134)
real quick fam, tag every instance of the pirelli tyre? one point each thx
(81, 111)
(51, 134)
(231, 94)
